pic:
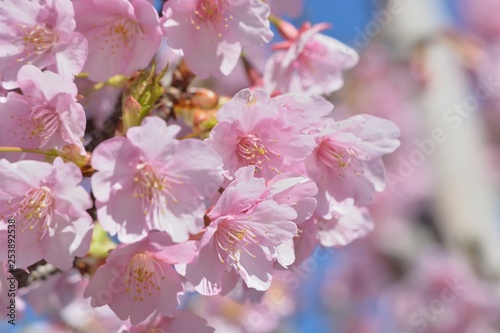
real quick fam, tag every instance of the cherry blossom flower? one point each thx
(253, 130)
(312, 109)
(344, 223)
(182, 321)
(41, 33)
(346, 162)
(215, 29)
(45, 116)
(149, 180)
(123, 35)
(308, 62)
(49, 208)
(246, 226)
(138, 278)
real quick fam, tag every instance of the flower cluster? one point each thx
(200, 191)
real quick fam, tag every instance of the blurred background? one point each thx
(433, 262)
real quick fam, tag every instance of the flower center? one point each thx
(35, 41)
(252, 151)
(143, 276)
(119, 33)
(211, 12)
(35, 210)
(153, 188)
(340, 157)
(45, 121)
(232, 237)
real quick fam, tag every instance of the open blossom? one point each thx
(45, 116)
(138, 278)
(39, 32)
(346, 162)
(308, 62)
(254, 130)
(344, 223)
(149, 180)
(182, 321)
(312, 109)
(49, 208)
(211, 33)
(123, 35)
(247, 224)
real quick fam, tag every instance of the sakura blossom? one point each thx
(123, 35)
(254, 130)
(246, 226)
(149, 180)
(343, 224)
(308, 62)
(182, 321)
(49, 208)
(216, 29)
(346, 162)
(45, 116)
(171, 166)
(40, 33)
(138, 279)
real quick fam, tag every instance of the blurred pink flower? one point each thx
(254, 130)
(308, 62)
(50, 211)
(346, 162)
(149, 180)
(45, 116)
(211, 33)
(246, 227)
(182, 321)
(291, 8)
(123, 35)
(138, 279)
(41, 33)
(482, 17)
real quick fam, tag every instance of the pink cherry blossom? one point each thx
(254, 130)
(182, 321)
(45, 116)
(346, 162)
(149, 180)
(211, 33)
(343, 224)
(482, 17)
(138, 278)
(123, 35)
(312, 109)
(308, 62)
(49, 207)
(41, 33)
(246, 227)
